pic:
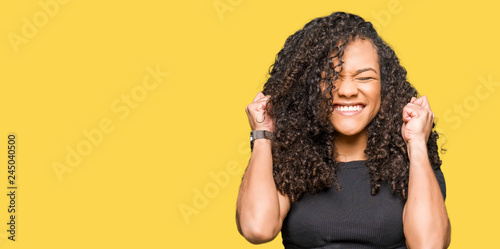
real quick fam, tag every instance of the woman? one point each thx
(352, 161)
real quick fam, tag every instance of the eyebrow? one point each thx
(364, 70)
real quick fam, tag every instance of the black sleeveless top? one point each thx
(351, 218)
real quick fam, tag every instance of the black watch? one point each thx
(259, 134)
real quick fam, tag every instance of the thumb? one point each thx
(403, 129)
(408, 113)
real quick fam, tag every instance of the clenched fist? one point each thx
(418, 119)
(257, 115)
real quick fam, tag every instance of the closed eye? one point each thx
(365, 78)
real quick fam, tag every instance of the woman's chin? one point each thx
(349, 131)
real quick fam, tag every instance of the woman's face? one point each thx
(356, 97)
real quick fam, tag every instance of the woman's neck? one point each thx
(351, 148)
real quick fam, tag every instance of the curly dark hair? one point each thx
(303, 146)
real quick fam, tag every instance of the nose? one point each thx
(346, 88)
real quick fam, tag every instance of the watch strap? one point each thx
(259, 134)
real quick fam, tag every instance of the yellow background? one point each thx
(87, 56)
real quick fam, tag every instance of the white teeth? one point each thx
(349, 108)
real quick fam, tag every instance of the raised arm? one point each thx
(261, 209)
(425, 220)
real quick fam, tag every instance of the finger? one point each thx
(423, 102)
(409, 113)
(265, 97)
(258, 96)
(426, 104)
(419, 101)
(263, 102)
(412, 99)
(262, 106)
(420, 111)
(403, 128)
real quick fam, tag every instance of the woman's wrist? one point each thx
(417, 149)
(261, 143)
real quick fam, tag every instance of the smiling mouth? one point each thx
(349, 109)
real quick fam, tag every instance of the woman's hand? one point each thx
(257, 115)
(425, 220)
(260, 208)
(418, 119)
